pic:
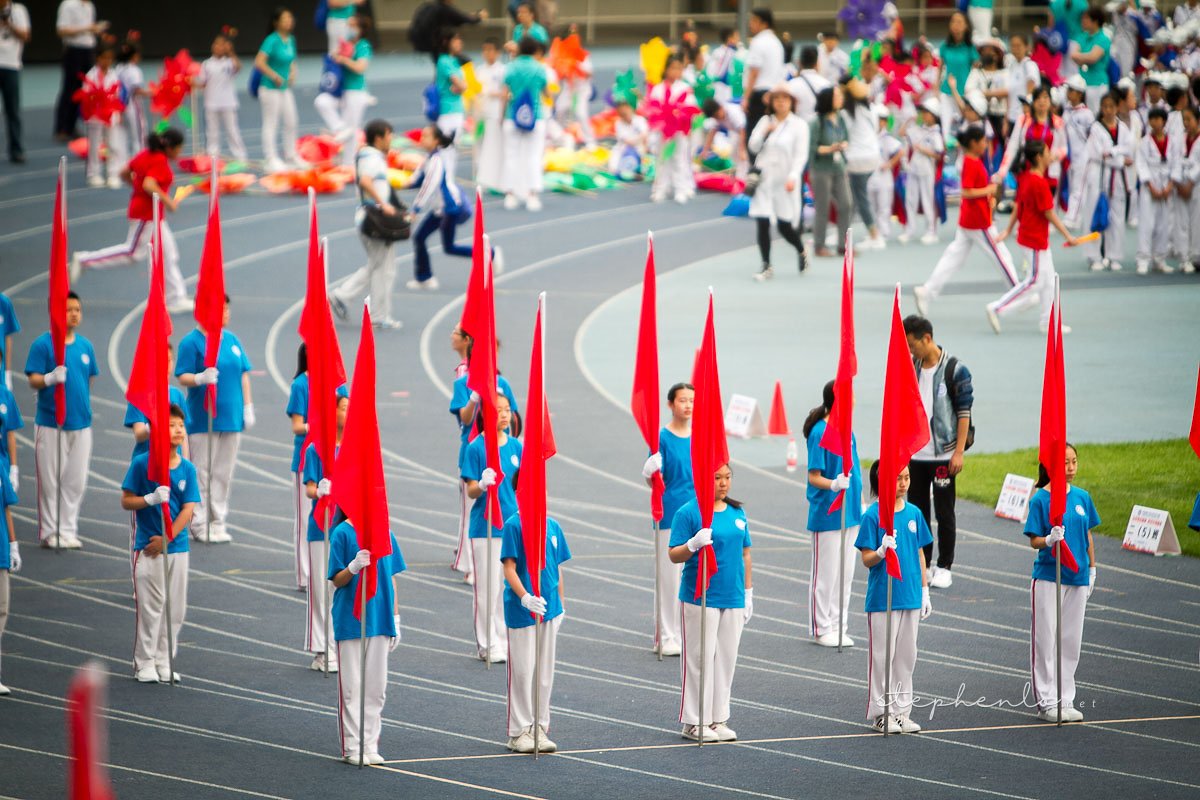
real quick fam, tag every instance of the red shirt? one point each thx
(148, 165)
(975, 213)
(1035, 199)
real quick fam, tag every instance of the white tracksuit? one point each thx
(521, 654)
(216, 498)
(881, 186)
(342, 114)
(1078, 121)
(150, 640)
(489, 106)
(723, 635)
(136, 247)
(351, 688)
(1186, 213)
(823, 580)
(320, 599)
(921, 171)
(76, 455)
(1154, 168)
(1106, 170)
(1039, 280)
(666, 615)
(1042, 645)
(673, 175)
(904, 660)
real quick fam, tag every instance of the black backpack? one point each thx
(423, 30)
(948, 377)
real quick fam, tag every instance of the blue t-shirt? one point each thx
(81, 368)
(913, 534)
(185, 488)
(513, 546)
(731, 533)
(1194, 522)
(830, 466)
(10, 420)
(8, 325)
(314, 471)
(448, 101)
(343, 546)
(1079, 518)
(676, 454)
(460, 396)
(298, 404)
(474, 463)
(133, 416)
(231, 363)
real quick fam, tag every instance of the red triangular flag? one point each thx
(149, 377)
(539, 448)
(1194, 437)
(777, 425)
(210, 290)
(360, 490)
(56, 301)
(1052, 442)
(710, 450)
(904, 430)
(644, 402)
(326, 371)
(839, 427)
(87, 778)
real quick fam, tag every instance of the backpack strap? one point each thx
(948, 377)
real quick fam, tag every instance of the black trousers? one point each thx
(76, 62)
(10, 95)
(786, 230)
(756, 109)
(934, 477)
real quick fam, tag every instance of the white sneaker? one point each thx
(1115, 266)
(544, 743)
(165, 676)
(75, 269)
(148, 674)
(182, 307)
(429, 284)
(70, 543)
(893, 724)
(1187, 268)
(1143, 266)
(671, 648)
(724, 732)
(522, 743)
(95, 182)
(908, 726)
(114, 182)
(929, 238)
(1096, 266)
(681, 199)
(827, 639)
(352, 759)
(469, 579)
(1161, 266)
(4, 690)
(847, 641)
(903, 238)
(764, 274)
(876, 243)
(498, 655)
(374, 758)
(921, 298)
(387, 324)
(318, 663)
(511, 203)
(533, 203)
(993, 317)
(941, 579)
(693, 733)
(497, 261)
(1069, 714)
(219, 537)
(275, 165)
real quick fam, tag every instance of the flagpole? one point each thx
(703, 636)
(487, 521)
(62, 182)
(887, 659)
(58, 493)
(658, 643)
(167, 613)
(538, 620)
(208, 476)
(1058, 632)
(537, 675)
(325, 615)
(842, 573)
(362, 683)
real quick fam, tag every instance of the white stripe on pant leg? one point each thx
(1007, 301)
(999, 254)
(482, 588)
(135, 248)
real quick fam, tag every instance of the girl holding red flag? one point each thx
(143, 497)
(826, 481)
(674, 461)
(316, 486)
(730, 604)
(909, 605)
(1077, 587)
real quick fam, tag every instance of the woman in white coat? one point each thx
(779, 143)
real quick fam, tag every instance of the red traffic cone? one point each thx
(778, 424)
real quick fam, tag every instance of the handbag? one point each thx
(332, 76)
(378, 225)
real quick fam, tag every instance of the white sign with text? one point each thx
(1013, 502)
(1150, 530)
(743, 418)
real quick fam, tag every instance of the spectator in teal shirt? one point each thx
(527, 25)
(1093, 56)
(276, 60)
(957, 55)
(344, 115)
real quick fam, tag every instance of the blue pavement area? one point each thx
(251, 720)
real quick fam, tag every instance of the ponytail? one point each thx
(160, 142)
(820, 412)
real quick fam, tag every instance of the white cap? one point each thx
(1077, 83)
(933, 106)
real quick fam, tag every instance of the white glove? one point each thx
(14, 557)
(14, 477)
(248, 419)
(839, 483)
(888, 543)
(653, 464)
(159, 496)
(474, 398)
(748, 611)
(533, 604)
(926, 606)
(703, 538)
(1057, 534)
(324, 487)
(56, 376)
(394, 642)
(208, 376)
(1091, 579)
(360, 562)
(488, 479)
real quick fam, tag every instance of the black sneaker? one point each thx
(803, 260)
(17, 159)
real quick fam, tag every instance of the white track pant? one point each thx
(666, 612)
(343, 113)
(523, 159)
(351, 688)
(484, 588)
(904, 660)
(1112, 243)
(464, 557)
(918, 194)
(1186, 214)
(374, 278)
(521, 654)
(4, 600)
(1154, 231)
(214, 120)
(76, 457)
(881, 189)
(136, 247)
(673, 173)
(955, 256)
(723, 635)
(150, 638)
(1040, 280)
(320, 599)
(1078, 180)
(489, 155)
(823, 580)
(278, 106)
(214, 496)
(134, 117)
(111, 136)
(981, 21)
(1041, 641)
(300, 530)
